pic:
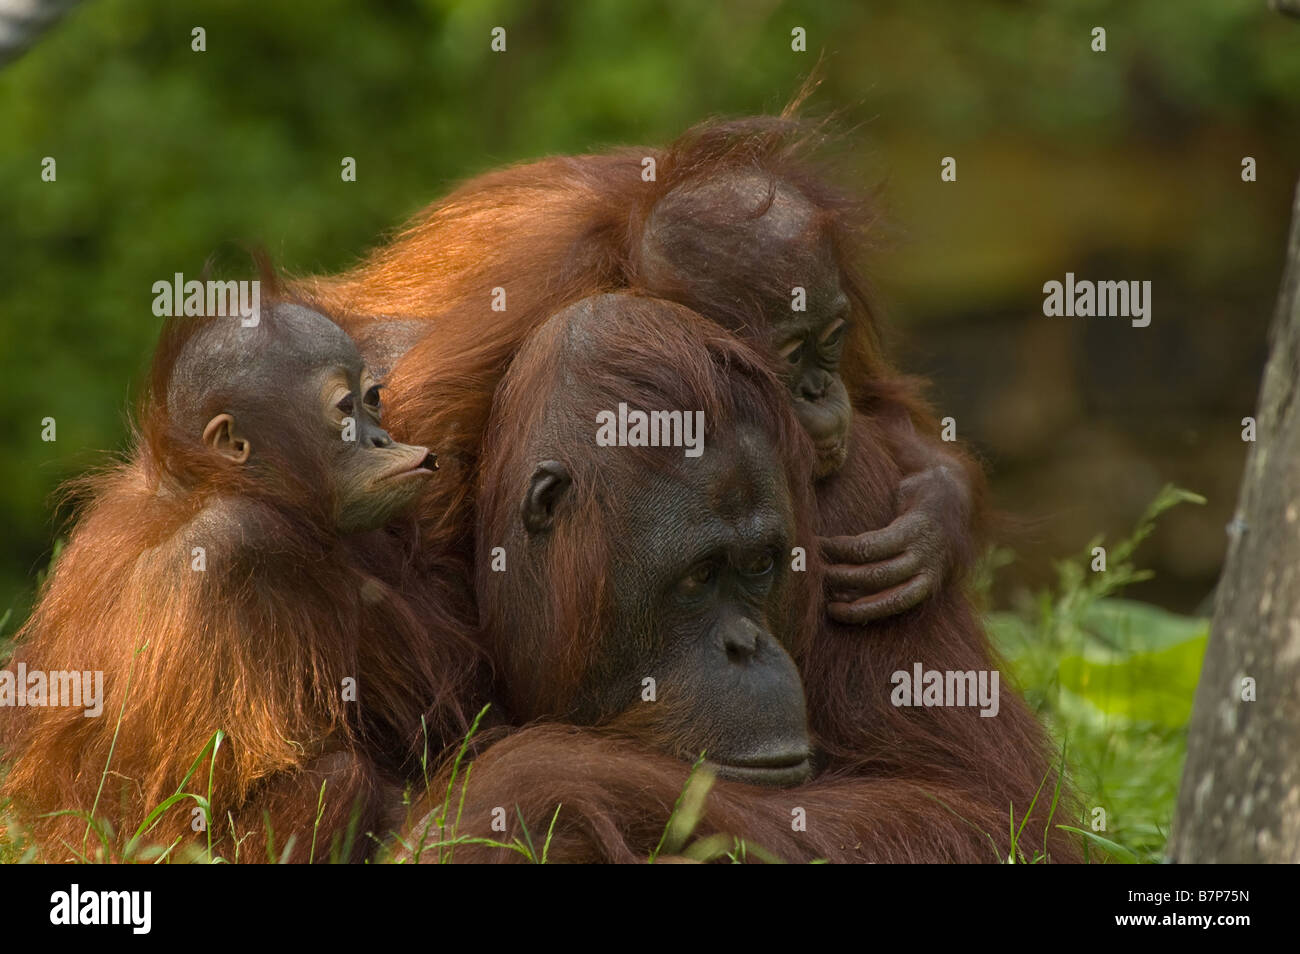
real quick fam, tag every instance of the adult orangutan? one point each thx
(737, 223)
(646, 594)
(742, 227)
(225, 579)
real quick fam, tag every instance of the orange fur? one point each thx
(256, 645)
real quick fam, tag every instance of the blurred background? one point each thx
(1119, 165)
(1116, 165)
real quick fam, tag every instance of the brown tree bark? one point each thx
(1240, 795)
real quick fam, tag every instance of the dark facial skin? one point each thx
(304, 388)
(751, 240)
(811, 343)
(699, 581)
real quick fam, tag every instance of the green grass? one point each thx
(1113, 680)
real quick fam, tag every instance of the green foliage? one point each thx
(1114, 679)
(441, 832)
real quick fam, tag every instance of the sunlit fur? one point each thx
(257, 646)
(559, 229)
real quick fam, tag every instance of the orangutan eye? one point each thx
(698, 580)
(834, 336)
(793, 353)
(372, 397)
(760, 566)
(346, 404)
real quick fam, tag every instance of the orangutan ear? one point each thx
(220, 436)
(549, 483)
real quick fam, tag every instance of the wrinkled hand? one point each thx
(887, 571)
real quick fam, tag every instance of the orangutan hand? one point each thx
(890, 570)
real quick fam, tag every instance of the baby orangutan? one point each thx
(215, 580)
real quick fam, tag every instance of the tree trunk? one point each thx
(1240, 794)
(22, 21)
